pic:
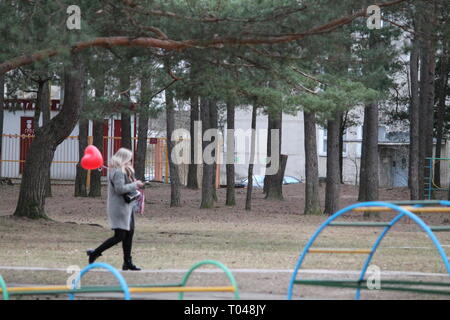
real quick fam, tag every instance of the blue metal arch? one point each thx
(402, 212)
(123, 283)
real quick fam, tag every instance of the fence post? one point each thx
(166, 176)
(88, 176)
(158, 160)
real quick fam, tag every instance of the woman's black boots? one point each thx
(93, 255)
(128, 265)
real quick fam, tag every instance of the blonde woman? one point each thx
(121, 182)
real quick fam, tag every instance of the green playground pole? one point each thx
(4, 289)
(217, 264)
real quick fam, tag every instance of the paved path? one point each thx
(279, 277)
(258, 271)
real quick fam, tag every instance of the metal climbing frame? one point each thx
(153, 288)
(430, 186)
(232, 288)
(382, 206)
(123, 283)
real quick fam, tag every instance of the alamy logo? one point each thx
(374, 277)
(374, 20)
(74, 20)
(75, 272)
(239, 141)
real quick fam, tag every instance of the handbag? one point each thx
(131, 196)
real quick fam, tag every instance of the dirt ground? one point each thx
(271, 236)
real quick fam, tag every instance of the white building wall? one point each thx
(293, 145)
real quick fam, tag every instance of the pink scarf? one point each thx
(141, 201)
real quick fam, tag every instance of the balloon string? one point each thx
(102, 167)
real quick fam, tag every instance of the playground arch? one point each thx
(380, 206)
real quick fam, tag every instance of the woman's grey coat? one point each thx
(119, 212)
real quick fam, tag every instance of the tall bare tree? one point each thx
(333, 168)
(95, 189)
(414, 119)
(83, 127)
(230, 197)
(273, 184)
(207, 200)
(175, 193)
(32, 189)
(312, 200)
(248, 200)
(192, 179)
(143, 114)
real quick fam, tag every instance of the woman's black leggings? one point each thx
(120, 235)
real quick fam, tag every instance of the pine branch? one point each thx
(182, 45)
(135, 8)
(308, 76)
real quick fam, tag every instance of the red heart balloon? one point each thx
(92, 158)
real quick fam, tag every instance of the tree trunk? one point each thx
(81, 175)
(426, 97)
(97, 136)
(372, 154)
(31, 203)
(38, 105)
(175, 195)
(192, 180)
(207, 169)
(414, 119)
(342, 129)
(2, 97)
(45, 108)
(368, 190)
(125, 114)
(248, 200)
(362, 165)
(448, 196)
(83, 128)
(312, 200)
(369, 179)
(214, 125)
(368, 187)
(275, 189)
(441, 97)
(141, 153)
(96, 175)
(333, 175)
(231, 196)
(273, 184)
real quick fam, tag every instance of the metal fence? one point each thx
(15, 151)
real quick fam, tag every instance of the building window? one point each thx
(323, 142)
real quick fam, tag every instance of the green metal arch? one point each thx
(4, 289)
(217, 264)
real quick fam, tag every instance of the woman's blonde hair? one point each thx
(120, 159)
